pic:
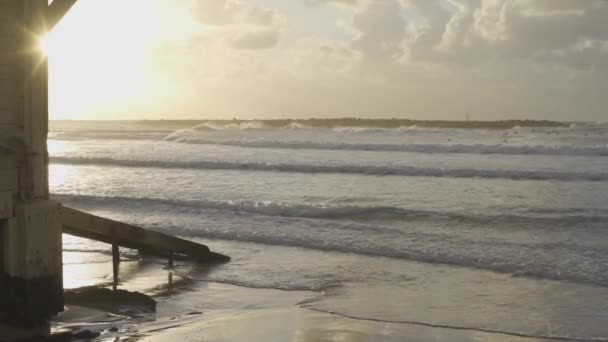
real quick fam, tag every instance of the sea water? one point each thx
(493, 230)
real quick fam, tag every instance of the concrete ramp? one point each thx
(81, 224)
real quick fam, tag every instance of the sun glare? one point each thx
(44, 44)
(99, 54)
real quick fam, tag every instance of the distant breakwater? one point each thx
(356, 122)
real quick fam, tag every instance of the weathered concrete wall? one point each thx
(9, 71)
(31, 288)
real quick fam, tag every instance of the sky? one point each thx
(418, 59)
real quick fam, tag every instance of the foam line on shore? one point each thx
(254, 286)
(456, 327)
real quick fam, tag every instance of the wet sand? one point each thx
(199, 311)
(291, 323)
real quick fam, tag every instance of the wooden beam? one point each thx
(56, 11)
(93, 227)
(115, 265)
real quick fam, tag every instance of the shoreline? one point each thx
(288, 321)
(189, 310)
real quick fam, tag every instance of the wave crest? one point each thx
(557, 150)
(521, 258)
(361, 213)
(338, 169)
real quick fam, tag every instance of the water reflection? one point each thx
(93, 268)
(61, 176)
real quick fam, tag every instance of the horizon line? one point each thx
(320, 119)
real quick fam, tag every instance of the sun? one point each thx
(44, 44)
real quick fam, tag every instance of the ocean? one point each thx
(499, 230)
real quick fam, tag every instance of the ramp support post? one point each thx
(115, 265)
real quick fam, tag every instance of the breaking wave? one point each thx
(360, 129)
(210, 126)
(416, 148)
(360, 213)
(530, 259)
(338, 169)
(295, 125)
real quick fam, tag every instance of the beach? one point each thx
(194, 310)
(346, 233)
(214, 311)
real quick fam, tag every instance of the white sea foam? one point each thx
(529, 257)
(360, 129)
(338, 169)
(355, 213)
(295, 125)
(566, 150)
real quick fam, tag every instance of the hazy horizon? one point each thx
(324, 118)
(428, 60)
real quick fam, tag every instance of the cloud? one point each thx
(243, 25)
(336, 2)
(508, 57)
(381, 29)
(262, 16)
(215, 12)
(255, 39)
(478, 31)
(434, 59)
(588, 54)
